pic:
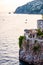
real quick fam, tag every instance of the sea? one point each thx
(11, 27)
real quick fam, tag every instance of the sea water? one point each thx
(11, 27)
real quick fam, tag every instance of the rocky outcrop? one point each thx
(30, 56)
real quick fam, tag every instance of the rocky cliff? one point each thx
(31, 53)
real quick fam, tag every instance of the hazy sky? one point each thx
(11, 5)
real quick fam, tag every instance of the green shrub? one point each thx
(39, 32)
(20, 40)
(35, 41)
(36, 48)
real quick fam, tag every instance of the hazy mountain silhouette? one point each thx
(33, 7)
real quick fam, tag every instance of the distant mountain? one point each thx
(33, 7)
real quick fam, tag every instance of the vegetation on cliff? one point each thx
(36, 48)
(39, 32)
(31, 49)
(20, 40)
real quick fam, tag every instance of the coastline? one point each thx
(30, 62)
(24, 62)
(31, 50)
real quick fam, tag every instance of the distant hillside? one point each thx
(34, 7)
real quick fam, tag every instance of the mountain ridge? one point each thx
(33, 7)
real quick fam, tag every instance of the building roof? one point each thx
(40, 20)
(31, 31)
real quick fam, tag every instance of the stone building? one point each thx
(40, 24)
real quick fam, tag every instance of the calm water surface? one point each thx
(9, 50)
(10, 30)
(9, 54)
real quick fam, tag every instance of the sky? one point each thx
(11, 5)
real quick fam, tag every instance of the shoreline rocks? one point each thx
(27, 55)
(31, 59)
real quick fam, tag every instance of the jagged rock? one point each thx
(29, 58)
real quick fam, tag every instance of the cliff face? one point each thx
(34, 7)
(31, 53)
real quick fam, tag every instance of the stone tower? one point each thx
(40, 23)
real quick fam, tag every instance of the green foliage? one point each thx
(36, 48)
(39, 32)
(35, 41)
(20, 40)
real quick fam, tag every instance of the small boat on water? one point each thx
(9, 12)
